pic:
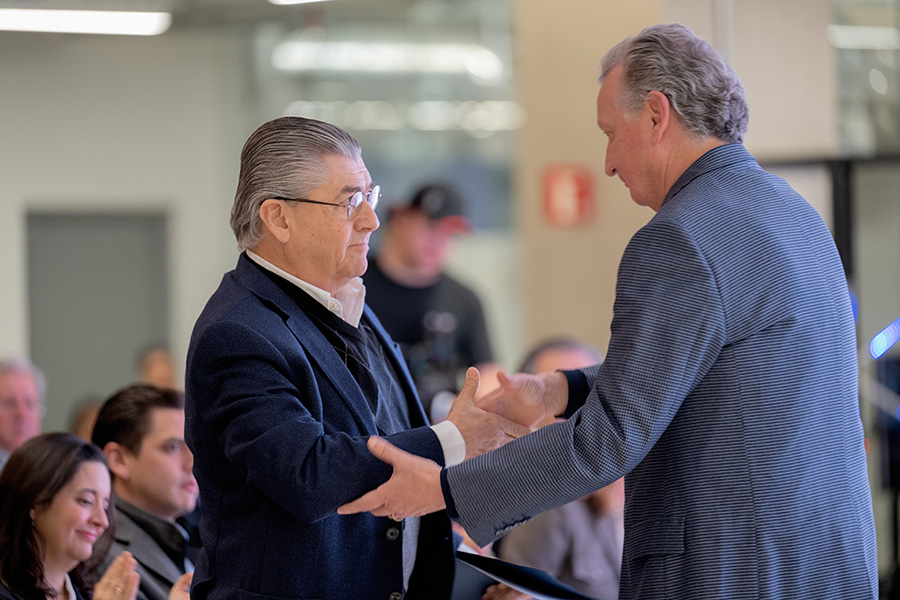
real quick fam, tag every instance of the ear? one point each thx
(116, 456)
(659, 111)
(32, 515)
(274, 219)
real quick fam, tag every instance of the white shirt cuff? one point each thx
(452, 442)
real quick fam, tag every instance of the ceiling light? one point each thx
(394, 57)
(285, 2)
(864, 38)
(85, 21)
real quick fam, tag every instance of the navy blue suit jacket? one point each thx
(278, 427)
(729, 396)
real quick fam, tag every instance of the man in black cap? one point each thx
(438, 321)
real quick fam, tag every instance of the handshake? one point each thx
(521, 404)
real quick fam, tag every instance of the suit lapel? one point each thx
(316, 346)
(417, 416)
(145, 549)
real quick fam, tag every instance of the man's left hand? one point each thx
(412, 491)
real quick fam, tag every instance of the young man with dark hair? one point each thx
(141, 431)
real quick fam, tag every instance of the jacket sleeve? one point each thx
(668, 329)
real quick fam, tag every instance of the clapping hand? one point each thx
(501, 591)
(182, 588)
(120, 582)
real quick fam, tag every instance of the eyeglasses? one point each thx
(352, 203)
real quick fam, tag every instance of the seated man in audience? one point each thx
(21, 404)
(141, 431)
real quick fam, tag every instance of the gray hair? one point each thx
(283, 157)
(706, 95)
(20, 364)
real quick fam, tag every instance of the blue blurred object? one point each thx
(885, 338)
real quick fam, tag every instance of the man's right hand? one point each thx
(482, 430)
(529, 400)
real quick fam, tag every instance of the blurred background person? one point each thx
(579, 543)
(22, 389)
(141, 431)
(54, 505)
(156, 366)
(438, 322)
(83, 417)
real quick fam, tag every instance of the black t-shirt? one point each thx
(440, 328)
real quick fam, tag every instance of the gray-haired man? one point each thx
(21, 404)
(728, 395)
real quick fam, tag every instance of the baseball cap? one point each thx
(441, 202)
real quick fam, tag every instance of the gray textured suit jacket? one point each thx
(158, 572)
(729, 396)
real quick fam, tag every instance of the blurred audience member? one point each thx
(22, 390)
(558, 354)
(54, 504)
(157, 367)
(579, 543)
(83, 418)
(438, 322)
(141, 431)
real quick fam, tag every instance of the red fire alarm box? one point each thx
(568, 196)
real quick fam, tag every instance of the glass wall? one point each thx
(866, 35)
(866, 38)
(427, 89)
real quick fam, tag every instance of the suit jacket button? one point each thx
(392, 534)
(395, 596)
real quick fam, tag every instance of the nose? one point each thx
(99, 517)
(609, 168)
(188, 462)
(366, 219)
(17, 408)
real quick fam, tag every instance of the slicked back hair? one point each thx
(283, 157)
(705, 93)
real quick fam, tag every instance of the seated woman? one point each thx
(54, 498)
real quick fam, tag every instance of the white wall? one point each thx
(119, 124)
(778, 48)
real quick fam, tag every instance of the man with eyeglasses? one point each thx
(21, 404)
(289, 374)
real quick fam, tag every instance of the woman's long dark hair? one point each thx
(33, 475)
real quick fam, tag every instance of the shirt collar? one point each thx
(322, 297)
(70, 589)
